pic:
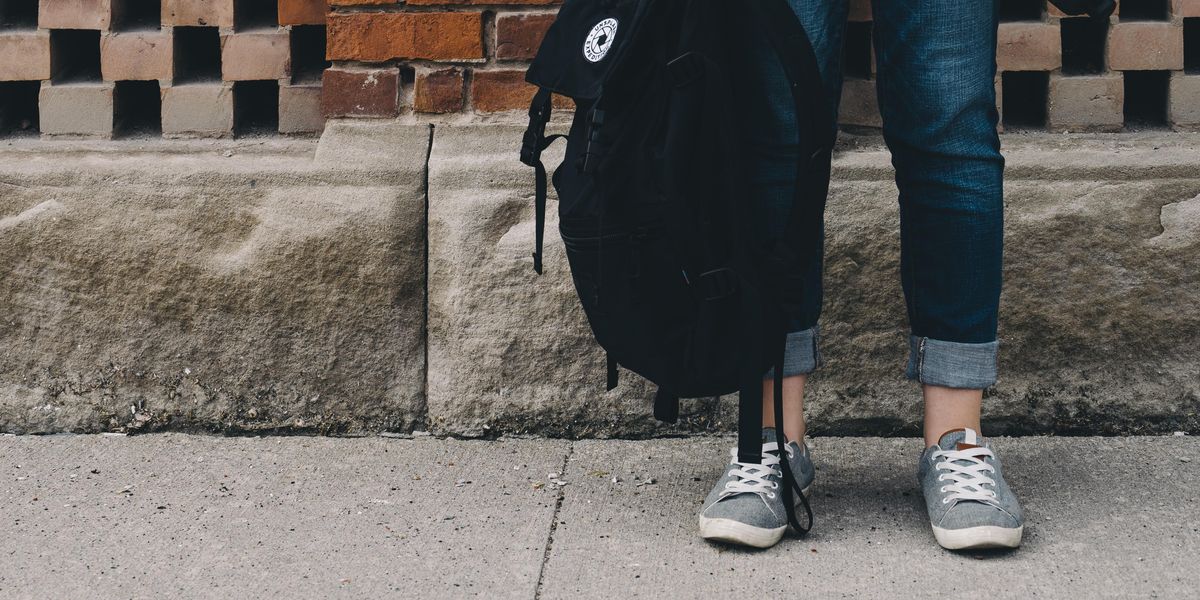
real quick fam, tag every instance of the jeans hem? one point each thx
(802, 354)
(952, 364)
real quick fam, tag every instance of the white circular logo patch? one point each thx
(600, 40)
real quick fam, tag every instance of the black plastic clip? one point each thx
(595, 148)
(685, 69)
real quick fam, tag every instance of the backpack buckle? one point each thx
(595, 148)
(531, 143)
(685, 69)
(717, 284)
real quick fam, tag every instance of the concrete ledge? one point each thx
(246, 286)
(1099, 323)
(233, 288)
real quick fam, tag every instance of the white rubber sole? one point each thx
(729, 531)
(978, 538)
(732, 532)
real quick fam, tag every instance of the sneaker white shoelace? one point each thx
(967, 473)
(752, 478)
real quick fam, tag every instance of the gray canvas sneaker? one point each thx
(970, 506)
(746, 505)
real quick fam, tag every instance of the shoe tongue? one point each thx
(960, 439)
(768, 434)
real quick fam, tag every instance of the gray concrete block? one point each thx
(198, 109)
(1086, 103)
(216, 290)
(77, 109)
(300, 109)
(1185, 101)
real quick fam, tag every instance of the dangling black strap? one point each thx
(750, 409)
(612, 372)
(790, 485)
(532, 146)
(666, 406)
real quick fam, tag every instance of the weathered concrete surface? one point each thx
(243, 285)
(220, 286)
(1099, 326)
(287, 517)
(508, 349)
(198, 517)
(1107, 518)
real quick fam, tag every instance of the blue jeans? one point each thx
(936, 64)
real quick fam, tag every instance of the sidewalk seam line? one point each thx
(558, 502)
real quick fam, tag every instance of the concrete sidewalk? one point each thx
(185, 516)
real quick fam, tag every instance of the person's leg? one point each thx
(948, 409)
(936, 72)
(744, 506)
(774, 147)
(936, 64)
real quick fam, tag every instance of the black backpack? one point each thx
(676, 284)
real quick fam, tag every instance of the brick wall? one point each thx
(173, 67)
(431, 56)
(219, 67)
(1141, 68)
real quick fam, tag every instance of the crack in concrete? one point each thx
(423, 412)
(558, 502)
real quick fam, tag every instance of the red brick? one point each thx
(1186, 8)
(211, 13)
(518, 36)
(1145, 46)
(136, 56)
(24, 56)
(1028, 47)
(360, 92)
(302, 12)
(375, 37)
(495, 91)
(468, 2)
(74, 14)
(1053, 11)
(439, 91)
(255, 55)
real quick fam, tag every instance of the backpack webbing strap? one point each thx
(532, 146)
(666, 406)
(750, 390)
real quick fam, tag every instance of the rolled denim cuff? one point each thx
(952, 364)
(802, 355)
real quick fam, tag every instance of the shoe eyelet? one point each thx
(945, 501)
(771, 495)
